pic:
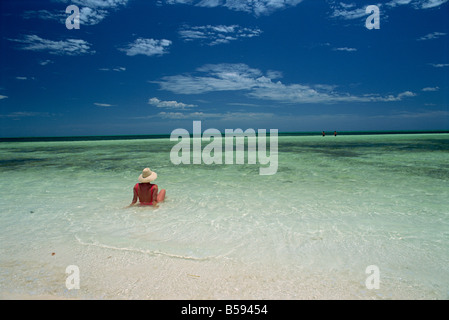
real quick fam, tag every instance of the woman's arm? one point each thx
(134, 198)
(154, 195)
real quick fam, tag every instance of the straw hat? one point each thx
(147, 176)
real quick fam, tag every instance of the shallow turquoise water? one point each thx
(335, 206)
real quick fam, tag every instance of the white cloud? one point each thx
(296, 93)
(116, 69)
(24, 114)
(3, 97)
(417, 4)
(256, 7)
(221, 77)
(97, 4)
(439, 65)
(148, 47)
(45, 62)
(240, 77)
(273, 74)
(169, 104)
(399, 97)
(348, 12)
(21, 78)
(242, 104)
(70, 47)
(431, 36)
(89, 16)
(92, 12)
(395, 3)
(351, 11)
(228, 116)
(103, 104)
(426, 4)
(430, 89)
(345, 49)
(180, 115)
(219, 34)
(105, 4)
(46, 15)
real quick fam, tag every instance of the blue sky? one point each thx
(149, 67)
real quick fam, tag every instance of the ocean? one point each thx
(336, 207)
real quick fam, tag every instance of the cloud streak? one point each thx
(92, 12)
(116, 69)
(350, 11)
(255, 7)
(24, 114)
(439, 65)
(220, 34)
(427, 4)
(69, 47)
(347, 11)
(105, 4)
(223, 116)
(103, 104)
(169, 104)
(148, 47)
(431, 36)
(430, 89)
(345, 49)
(254, 83)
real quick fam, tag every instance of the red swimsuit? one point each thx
(138, 192)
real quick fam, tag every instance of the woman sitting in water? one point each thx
(146, 192)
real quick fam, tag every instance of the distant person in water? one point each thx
(145, 192)
(335, 133)
(323, 133)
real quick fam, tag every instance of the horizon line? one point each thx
(167, 135)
